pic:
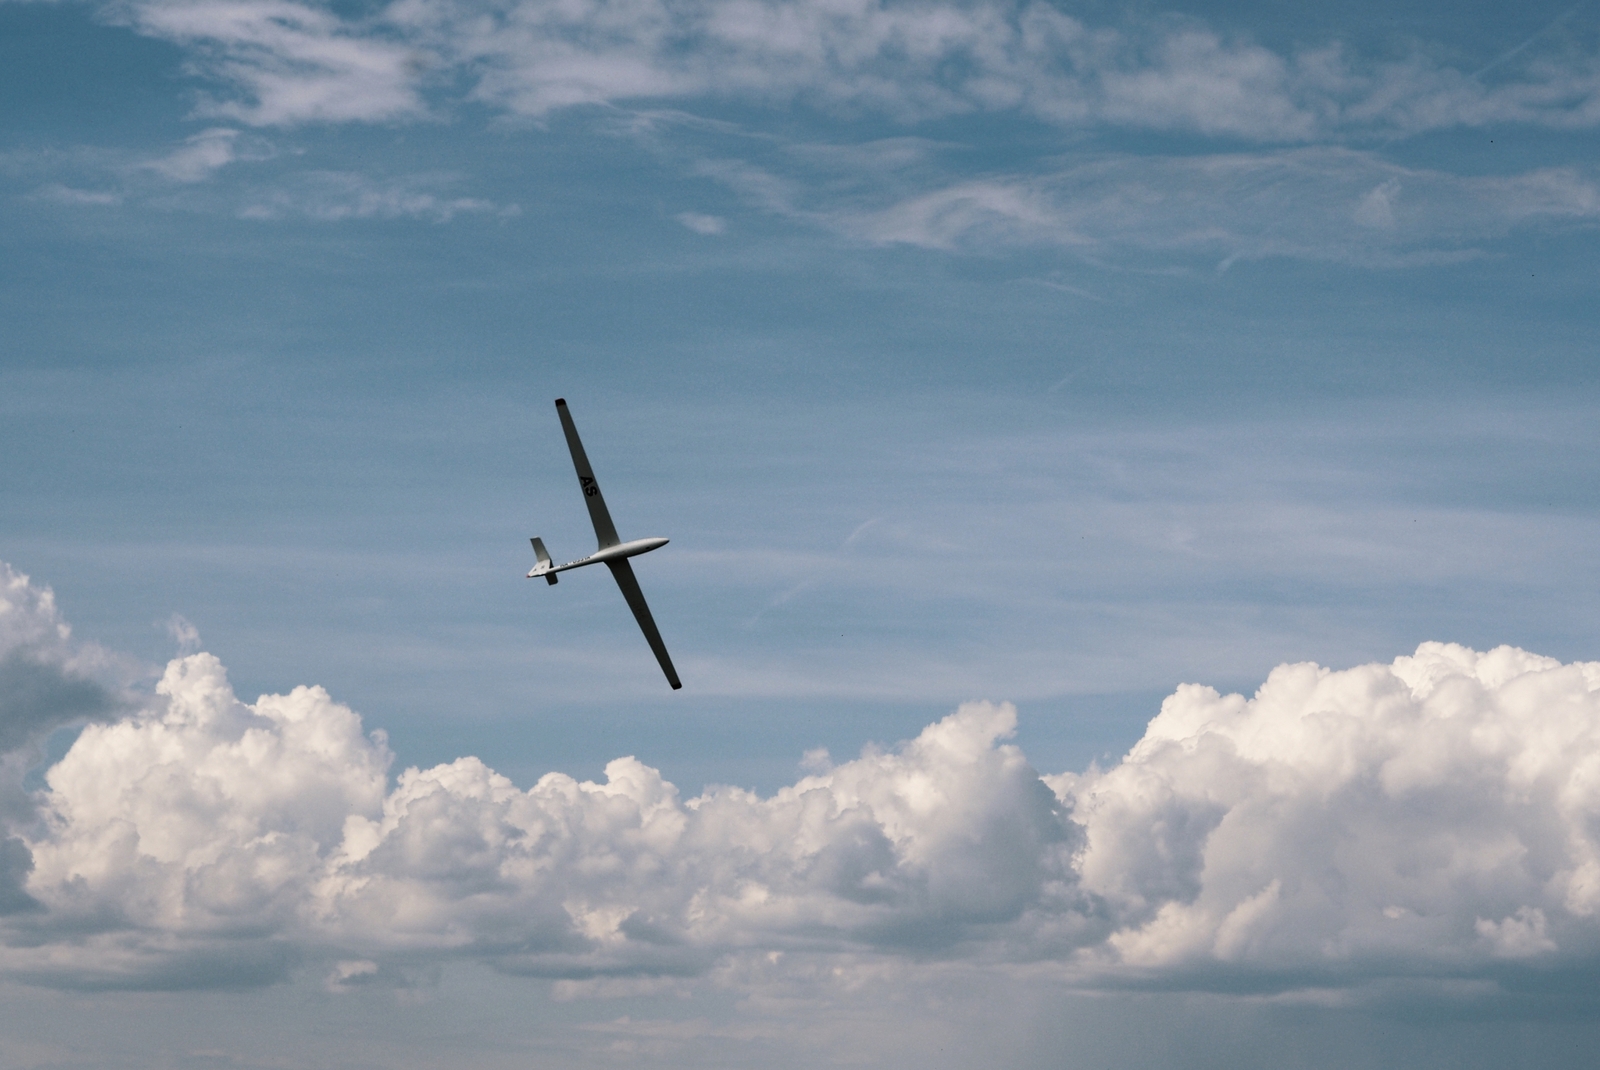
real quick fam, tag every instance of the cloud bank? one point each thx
(1437, 817)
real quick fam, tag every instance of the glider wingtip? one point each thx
(561, 403)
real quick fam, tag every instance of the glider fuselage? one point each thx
(631, 548)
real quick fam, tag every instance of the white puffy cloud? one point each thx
(1434, 816)
(290, 62)
(206, 832)
(1437, 817)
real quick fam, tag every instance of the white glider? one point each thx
(613, 552)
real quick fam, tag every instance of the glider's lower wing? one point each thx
(641, 613)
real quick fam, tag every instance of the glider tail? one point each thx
(541, 569)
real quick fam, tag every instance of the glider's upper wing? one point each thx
(604, 529)
(641, 612)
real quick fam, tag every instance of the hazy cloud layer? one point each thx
(288, 62)
(1438, 817)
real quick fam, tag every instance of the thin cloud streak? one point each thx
(187, 177)
(1329, 204)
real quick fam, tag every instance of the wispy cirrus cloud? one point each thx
(287, 62)
(278, 62)
(187, 177)
(1314, 187)
(340, 195)
(205, 153)
(1332, 204)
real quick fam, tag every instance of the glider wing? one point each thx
(641, 613)
(604, 529)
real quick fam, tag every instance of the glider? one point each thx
(613, 552)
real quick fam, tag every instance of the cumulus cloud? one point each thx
(46, 682)
(207, 835)
(46, 679)
(1435, 817)
(1429, 817)
(290, 62)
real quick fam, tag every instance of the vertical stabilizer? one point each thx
(544, 560)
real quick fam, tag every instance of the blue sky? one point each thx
(1017, 352)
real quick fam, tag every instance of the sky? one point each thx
(1130, 484)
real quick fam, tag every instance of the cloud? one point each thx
(46, 680)
(206, 832)
(1306, 190)
(1437, 818)
(1431, 817)
(287, 63)
(202, 155)
(185, 178)
(37, 694)
(184, 634)
(1332, 204)
(63, 194)
(339, 195)
(702, 224)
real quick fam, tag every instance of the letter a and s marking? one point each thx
(589, 487)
